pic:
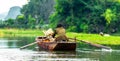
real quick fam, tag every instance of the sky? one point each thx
(5, 5)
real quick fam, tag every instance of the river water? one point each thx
(9, 51)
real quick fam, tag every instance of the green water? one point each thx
(9, 51)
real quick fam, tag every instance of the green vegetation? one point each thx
(95, 38)
(87, 15)
(77, 15)
(20, 33)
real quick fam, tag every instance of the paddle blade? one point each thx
(28, 45)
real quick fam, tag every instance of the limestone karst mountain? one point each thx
(13, 12)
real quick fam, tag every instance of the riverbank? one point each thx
(20, 33)
(94, 38)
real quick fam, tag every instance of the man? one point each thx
(60, 33)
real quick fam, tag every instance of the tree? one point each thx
(38, 9)
(20, 22)
(9, 23)
(86, 15)
(68, 13)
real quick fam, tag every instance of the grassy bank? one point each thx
(20, 33)
(95, 38)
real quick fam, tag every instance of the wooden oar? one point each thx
(93, 44)
(28, 45)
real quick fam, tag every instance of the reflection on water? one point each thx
(26, 55)
(8, 44)
(9, 51)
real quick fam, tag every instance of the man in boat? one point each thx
(59, 33)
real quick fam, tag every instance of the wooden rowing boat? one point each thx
(45, 43)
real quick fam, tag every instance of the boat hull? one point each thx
(57, 46)
(61, 46)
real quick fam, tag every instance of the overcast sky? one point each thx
(6, 4)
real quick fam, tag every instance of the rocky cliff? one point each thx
(13, 12)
